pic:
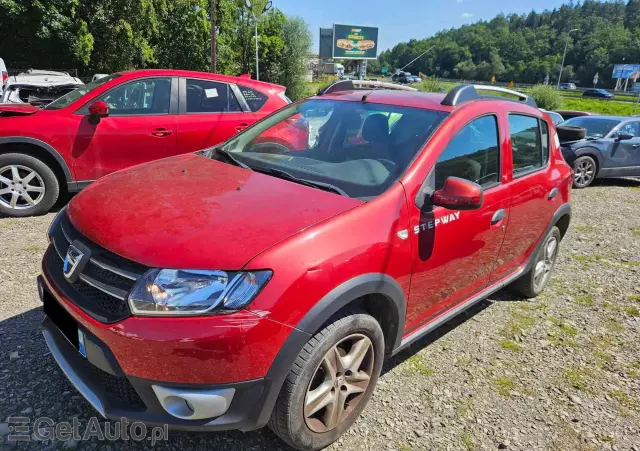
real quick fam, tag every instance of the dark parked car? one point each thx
(598, 94)
(403, 77)
(611, 147)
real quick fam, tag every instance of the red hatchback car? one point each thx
(247, 285)
(116, 122)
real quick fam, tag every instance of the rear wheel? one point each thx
(584, 172)
(28, 186)
(330, 382)
(532, 283)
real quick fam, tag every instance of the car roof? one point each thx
(244, 80)
(415, 99)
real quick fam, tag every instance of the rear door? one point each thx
(210, 113)
(141, 127)
(533, 189)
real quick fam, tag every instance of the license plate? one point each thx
(81, 348)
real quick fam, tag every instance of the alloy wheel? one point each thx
(20, 187)
(543, 268)
(584, 173)
(339, 383)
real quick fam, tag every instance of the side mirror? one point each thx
(99, 109)
(459, 194)
(624, 136)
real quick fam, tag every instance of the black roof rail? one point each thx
(352, 85)
(466, 93)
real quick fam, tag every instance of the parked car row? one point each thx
(250, 234)
(405, 77)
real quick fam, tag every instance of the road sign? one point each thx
(595, 79)
(385, 70)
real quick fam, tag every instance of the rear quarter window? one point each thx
(255, 99)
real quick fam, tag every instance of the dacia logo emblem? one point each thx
(74, 262)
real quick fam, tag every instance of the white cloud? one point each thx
(467, 15)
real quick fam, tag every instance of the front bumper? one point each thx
(114, 392)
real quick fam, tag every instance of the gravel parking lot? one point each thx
(558, 373)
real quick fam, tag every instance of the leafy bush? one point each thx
(430, 84)
(546, 97)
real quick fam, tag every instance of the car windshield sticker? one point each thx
(211, 93)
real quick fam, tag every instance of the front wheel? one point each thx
(330, 382)
(28, 186)
(584, 172)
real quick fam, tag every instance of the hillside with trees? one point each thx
(112, 35)
(524, 48)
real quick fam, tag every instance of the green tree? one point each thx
(294, 65)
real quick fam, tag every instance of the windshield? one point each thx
(359, 148)
(74, 95)
(596, 128)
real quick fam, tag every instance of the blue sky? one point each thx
(405, 19)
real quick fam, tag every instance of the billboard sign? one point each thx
(355, 42)
(625, 71)
(326, 43)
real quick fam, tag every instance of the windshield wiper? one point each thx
(230, 158)
(292, 178)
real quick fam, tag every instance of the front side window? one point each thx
(147, 96)
(474, 154)
(360, 148)
(205, 96)
(630, 128)
(529, 152)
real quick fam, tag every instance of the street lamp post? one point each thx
(564, 55)
(266, 8)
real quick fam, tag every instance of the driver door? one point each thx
(141, 127)
(456, 252)
(625, 154)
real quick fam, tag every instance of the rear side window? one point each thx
(255, 99)
(474, 154)
(205, 96)
(529, 143)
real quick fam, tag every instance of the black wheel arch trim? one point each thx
(46, 147)
(330, 304)
(589, 152)
(562, 211)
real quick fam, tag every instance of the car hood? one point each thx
(17, 109)
(44, 80)
(191, 212)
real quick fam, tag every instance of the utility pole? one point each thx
(214, 37)
(564, 56)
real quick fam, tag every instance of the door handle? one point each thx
(498, 216)
(241, 127)
(552, 194)
(161, 132)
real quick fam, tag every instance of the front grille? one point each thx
(106, 280)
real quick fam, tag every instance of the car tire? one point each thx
(534, 282)
(28, 186)
(571, 133)
(584, 171)
(294, 418)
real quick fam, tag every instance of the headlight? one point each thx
(194, 292)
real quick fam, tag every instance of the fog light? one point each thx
(190, 404)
